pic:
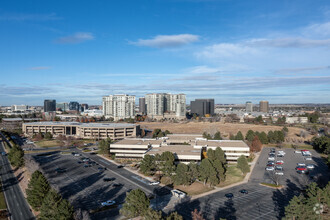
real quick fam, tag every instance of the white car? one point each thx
(271, 158)
(301, 164)
(310, 166)
(297, 151)
(108, 203)
(76, 155)
(308, 158)
(279, 173)
(281, 152)
(153, 183)
(270, 168)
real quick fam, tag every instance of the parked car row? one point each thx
(231, 195)
(273, 164)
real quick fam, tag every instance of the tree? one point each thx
(153, 215)
(37, 190)
(321, 144)
(193, 171)
(281, 120)
(219, 167)
(136, 204)
(197, 215)
(279, 136)
(55, 207)
(217, 136)
(104, 146)
(48, 136)
(271, 137)
(293, 210)
(239, 136)
(263, 138)
(256, 145)
(167, 163)
(147, 164)
(210, 154)
(174, 216)
(182, 175)
(259, 119)
(220, 154)
(16, 156)
(243, 165)
(249, 135)
(208, 173)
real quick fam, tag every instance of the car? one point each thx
(117, 184)
(280, 155)
(229, 195)
(79, 162)
(100, 169)
(85, 159)
(120, 166)
(271, 155)
(108, 203)
(60, 170)
(297, 151)
(281, 152)
(3, 153)
(279, 173)
(243, 191)
(301, 164)
(308, 158)
(302, 171)
(154, 183)
(87, 165)
(77, 155)
(278, 168)
(270, 168)
(310, 166)
(270, 164)
(108, 179)
(301, 168)
(271, 158)
(279, 162)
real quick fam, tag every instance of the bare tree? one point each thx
(275, 178)
(30, 164)
(81, 214)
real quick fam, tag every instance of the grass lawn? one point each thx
(47, 143)
(3, 204)
(194, 189)
(271, 185)
(299, 146)
(233, 175)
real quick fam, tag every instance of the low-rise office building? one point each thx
(115, 131)
(185, 147)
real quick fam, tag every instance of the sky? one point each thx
(230, 50)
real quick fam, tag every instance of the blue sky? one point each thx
(233, 51)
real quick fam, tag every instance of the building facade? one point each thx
(264, 106)
(63, 106)
(115, 131)
(159, 103)
(142, 106)
(202, 107)
(21, 108)
(248, 107)
(74, 106)
(118, 106)
(49, 105)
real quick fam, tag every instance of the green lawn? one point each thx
(47, 143)
(233, 175)
(3, 204)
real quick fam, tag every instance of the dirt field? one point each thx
(225, 128)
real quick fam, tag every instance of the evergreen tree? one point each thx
(271, 137)
(182, 175)
(279, 136)
(217, 136)
(55, 207)
(239, 136)
(249, 136)
(193, 171)
(136, 204)
(104, 146)
(167, 163)
(207, 172)
(37, 190)
(147, 164)
(174, 216)
(16, 156)
(242, 164)
(219, 167)
(220, 154)
(211, 154)
(153, 215)
(263, 138)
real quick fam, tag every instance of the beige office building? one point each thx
(264, 106)
(118, 106)
(115, 131)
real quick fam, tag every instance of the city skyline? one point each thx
(232, 51)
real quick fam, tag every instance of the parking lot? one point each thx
(261, 202)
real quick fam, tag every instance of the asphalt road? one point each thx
(17, 205)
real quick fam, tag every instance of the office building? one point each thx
(248, 107)
(74, 106)
(63, 106)
(115, 131)
(49, 105)
(202, 107)
(158, 104)
(142, 106)
(83, 107)
(264, 106)
(21, 108)
(118, 106)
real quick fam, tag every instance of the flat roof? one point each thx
(222, 143)
(178, 149)
(139, 141)
(63, 123)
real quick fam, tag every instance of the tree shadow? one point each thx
(187, 207)
(228, 211)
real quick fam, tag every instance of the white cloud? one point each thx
(78, 37)
(203, 69)
(320, 30)
(40, 68)
(226, 50)
(288, 42)
(165, 41)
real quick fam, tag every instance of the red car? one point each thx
(280, 162)
(301, 168)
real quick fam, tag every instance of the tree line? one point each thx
(43, 198)
(322, 144)
(16, 156)
(212, 170)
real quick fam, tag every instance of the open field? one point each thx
(47, 143)
(225, 128)
(233, 175)
(194, 189)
